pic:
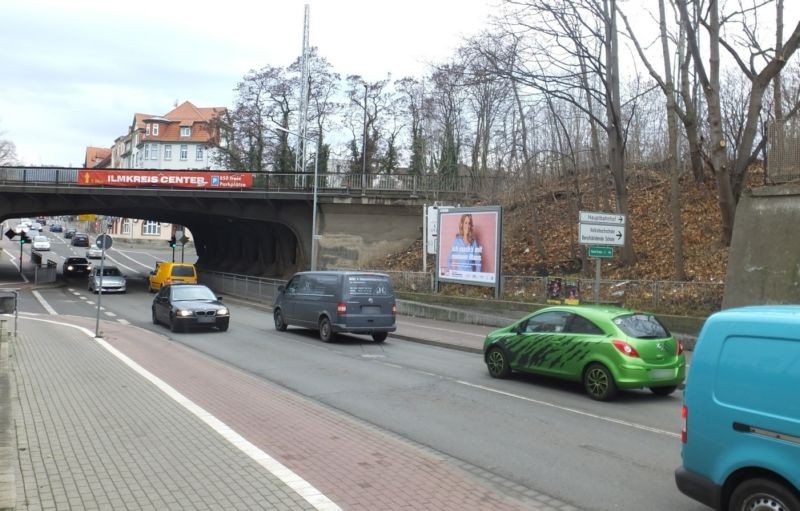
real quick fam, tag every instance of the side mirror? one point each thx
(152, 273)
(281, 288)
(219, 298)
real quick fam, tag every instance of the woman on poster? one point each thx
(465, 254)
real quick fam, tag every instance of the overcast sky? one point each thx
(73, 72)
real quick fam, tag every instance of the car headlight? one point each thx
(222, 312)
(184, 312)
(70, 268)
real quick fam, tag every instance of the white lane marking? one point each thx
(459, 332)
(109, 313)
(123, 321)
(76, 293)
(302, 487)
(573, 410)
(109, 258)
(44, 303)
(123, 254)
(14, 262)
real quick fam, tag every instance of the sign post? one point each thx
(102, 242)
(598, 231)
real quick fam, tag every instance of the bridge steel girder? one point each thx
(248, 232)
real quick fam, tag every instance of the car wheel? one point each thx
(497, 363)
(174, 325)
(663, 391)
(223, 326)
(280, 324)
(325, 330)
(379, 337)
(155, 321)
(599, 382)
(763, 494)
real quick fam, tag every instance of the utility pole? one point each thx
(364, 151)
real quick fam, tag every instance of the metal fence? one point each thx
(428, 186)
(666, 297)
(783, 152)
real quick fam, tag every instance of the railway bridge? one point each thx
(262, 227)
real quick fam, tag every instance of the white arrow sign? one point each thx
(596, 234)
(591, 217)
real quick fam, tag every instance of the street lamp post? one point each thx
(314, 193)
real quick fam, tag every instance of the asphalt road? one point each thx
(543, 434)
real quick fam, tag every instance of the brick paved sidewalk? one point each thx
(94, 434)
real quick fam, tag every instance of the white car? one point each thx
(41, 243)
(94, 253)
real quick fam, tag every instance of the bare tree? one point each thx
(667, 85)
(249, 138)
(368, 101)
(729, 181)
(8, 153)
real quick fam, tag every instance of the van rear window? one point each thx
(182, 271)
(368, 285)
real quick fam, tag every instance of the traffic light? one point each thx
(23, 239)
(172, 242)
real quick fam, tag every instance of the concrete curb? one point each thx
(8, 455)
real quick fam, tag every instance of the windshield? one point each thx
(40, 238)
(112, 272)
(642, 326)
(76, 260)
(192, 293)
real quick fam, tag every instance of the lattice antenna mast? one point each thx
(304, 93)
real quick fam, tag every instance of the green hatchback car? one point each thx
(606, 348)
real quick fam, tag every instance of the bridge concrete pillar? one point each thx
(355, 235)
(764, 257)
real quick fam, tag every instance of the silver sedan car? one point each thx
(93, 253)
(112, 280)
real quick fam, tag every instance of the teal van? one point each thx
(741, 411)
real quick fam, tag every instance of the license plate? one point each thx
(370, 309)
(662, 374)
(206, 319)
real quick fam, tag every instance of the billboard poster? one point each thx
(563, 291)
(170, 179)
(469, 245)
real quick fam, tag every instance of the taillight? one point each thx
(678, 348)
(341, 308)
(685, 415)
(626, 348)
(394, 309)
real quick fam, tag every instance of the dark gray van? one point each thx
(337, 301)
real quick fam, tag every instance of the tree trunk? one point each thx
(616, 142)
(672, 130)
(529, 190)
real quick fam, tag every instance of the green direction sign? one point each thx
(601, 252)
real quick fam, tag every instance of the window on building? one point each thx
(167, 152)
(153, 151)
(146, 129)
(186, 131)
(184, 152)
(147, 151)
(126, 226)
(200, 152)
(155, 130)
(151, 228)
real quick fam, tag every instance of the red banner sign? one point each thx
(171, 179)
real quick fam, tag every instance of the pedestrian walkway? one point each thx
(134, 421)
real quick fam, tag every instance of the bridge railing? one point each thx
(423, 186)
